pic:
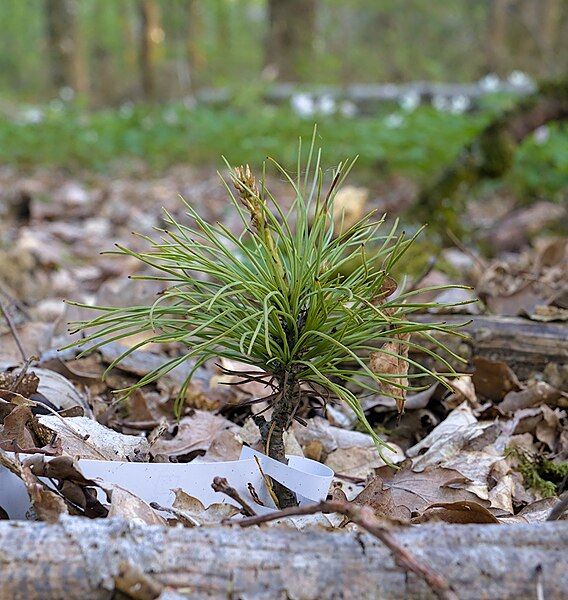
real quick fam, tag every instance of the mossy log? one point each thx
(103, 559)
(491, 153)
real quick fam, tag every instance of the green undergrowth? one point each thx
(416, 144)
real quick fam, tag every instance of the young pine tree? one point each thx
(277, 297)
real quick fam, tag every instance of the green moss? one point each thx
(541, 474)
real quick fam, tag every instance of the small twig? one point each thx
(220, 484)
(559, 509)
(267, 482)
(425, 272)
(185, 519)
(461, 246)
(13, 300)
(22, 374)
(365, 518)
(254, 494)
(13, 331)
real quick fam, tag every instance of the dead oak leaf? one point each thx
(398, 494)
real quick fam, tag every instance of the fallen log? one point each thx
(526, 346)
(93, 560)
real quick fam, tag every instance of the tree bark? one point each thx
(92, 560)
(67, 66)
(290, 39)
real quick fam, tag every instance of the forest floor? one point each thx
(494, 449)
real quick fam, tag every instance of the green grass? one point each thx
(162, 136)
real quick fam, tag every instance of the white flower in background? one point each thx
(348, 109)
(440, 103)
(66, 94)
(410, 101)
(190, 102)
(490, 83)
(170, 116)
(126, 110)
(541, 135)
(326, 105)
(56, 105)
(303, 105)
(394, 121)
(459, 104)
(520, 79)
(33, 115)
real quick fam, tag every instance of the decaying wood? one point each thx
(82, 559)
(526, 346)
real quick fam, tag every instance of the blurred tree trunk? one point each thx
(67, 67)
(290, 41)
(128, 28)
(549, 34)
(497, 16)
(150, 36)
(193, 55)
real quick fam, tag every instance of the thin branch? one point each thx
(220, 484)
(365, 518)
(559, 509)
(13, 331)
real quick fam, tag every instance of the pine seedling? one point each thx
(276, 297)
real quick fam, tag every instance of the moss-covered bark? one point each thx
(491, 153)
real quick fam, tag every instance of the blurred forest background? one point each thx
(406, 85)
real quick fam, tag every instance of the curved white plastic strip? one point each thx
(153, 482)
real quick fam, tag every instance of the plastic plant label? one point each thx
(154, 482)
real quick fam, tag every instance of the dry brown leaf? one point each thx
(359, 462)
(59, 390)
(48, 505)
(16, 429)
(493, 379)
(538, 393)
(535, 512)
(80, 492)
(128, 506)
(462, 512)
(34, 337)
(463, 389)
(195, 510)
(390, 360)
(397, 494)
(224, 447)
(14, 381)
(501, 495)
(193, 433)
(86, 438)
